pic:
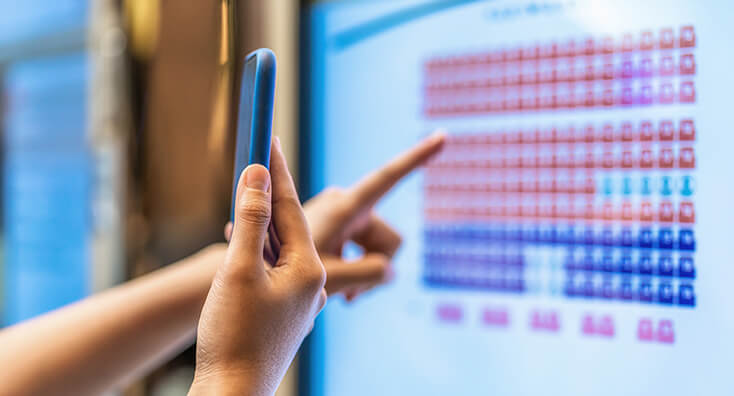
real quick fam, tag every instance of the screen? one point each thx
(571, 238)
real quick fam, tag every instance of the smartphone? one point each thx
(255, 115)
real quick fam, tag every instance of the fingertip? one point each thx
(437, 139)
(439, 135)
(257, 177)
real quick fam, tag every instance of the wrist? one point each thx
(222, 383)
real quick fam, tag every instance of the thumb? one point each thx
(368, 271)
(252, 214)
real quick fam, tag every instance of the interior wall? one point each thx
(182, 183)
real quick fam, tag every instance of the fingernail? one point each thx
(257, 177)
(277, 143)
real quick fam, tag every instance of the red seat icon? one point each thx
(646, 41)
(665, 333)
(589, 133)
(589, 212)
(608, 160)
(608, 71)
(666, 212)
(627, 211)
(646, 67)
(667, 67)
(627, 161)
(667, 41)
(606, 326)
(644, 330)
(687, 92)
(587, 325)
(687, 64)
(608, 211)
(627, 132)
(666, 130)
(628, 96)
(646, 134)
(687, 130)
(646, 211)
(667, 95)
(607, 133)
(628, 70)
(608, 97)
(686, 213)
(646, 160)
(608, 45)
(646, 94)
(589, 186)
(687, 158)
(589, 72)
(589, 47)
(687, 37)
(666, 159)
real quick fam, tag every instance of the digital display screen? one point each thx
(572, 237)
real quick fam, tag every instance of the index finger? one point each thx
(290, 222)
(369, 190)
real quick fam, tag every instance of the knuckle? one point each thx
(381, 268)
(315, 278)
(254, 211)
(322, 299)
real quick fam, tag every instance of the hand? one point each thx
(257, 313)
(336, 216)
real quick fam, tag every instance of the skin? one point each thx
(258, 313)
(54, 354)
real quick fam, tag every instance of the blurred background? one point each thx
(117, 151)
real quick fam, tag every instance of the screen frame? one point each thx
(311, 178)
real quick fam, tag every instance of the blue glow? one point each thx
(507, 286)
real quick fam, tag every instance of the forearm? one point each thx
(235, 383)
(111, 338)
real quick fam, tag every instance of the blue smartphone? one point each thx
(255, 118)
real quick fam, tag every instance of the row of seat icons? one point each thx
(665, 238)
(479, 207)
(549, 72)
(552, 97)
(649, 330)
(666, 39)
(665, 130)
(555, 158)
(445, 185)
